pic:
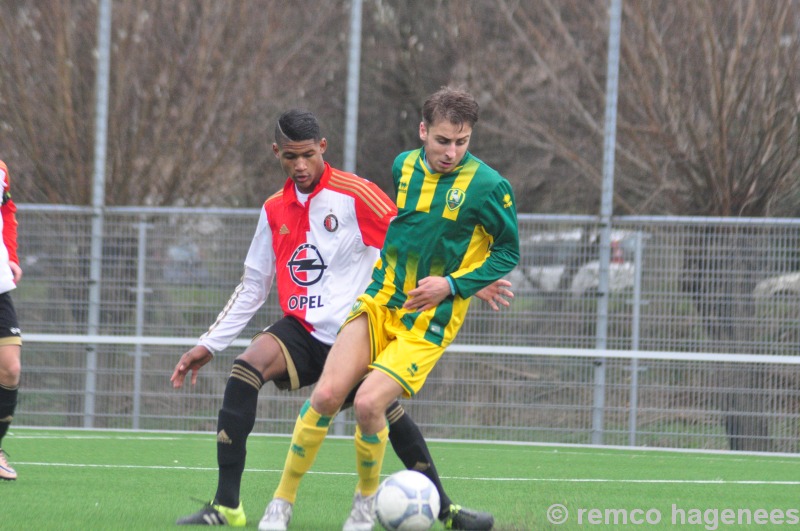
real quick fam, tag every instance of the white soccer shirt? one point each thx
(321, 253)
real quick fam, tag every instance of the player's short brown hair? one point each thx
(454, 105)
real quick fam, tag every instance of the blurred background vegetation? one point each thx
(707, 121)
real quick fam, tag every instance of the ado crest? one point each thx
(306, 266)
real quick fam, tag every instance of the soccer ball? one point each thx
(407, 501)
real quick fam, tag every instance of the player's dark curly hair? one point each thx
(454, 105)
(295, 125)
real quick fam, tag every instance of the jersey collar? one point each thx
(290, 191)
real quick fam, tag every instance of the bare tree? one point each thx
(707, 113)
(193, 85)
(708, 108)
(45, 93)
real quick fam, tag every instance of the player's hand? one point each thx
(430, 291)
(16, 270)
(191, 360)
(497, 292)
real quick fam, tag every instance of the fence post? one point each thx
(98, 203)
(635, 331)
(606, 210)
(140, 290)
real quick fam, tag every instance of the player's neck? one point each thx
(302, 197)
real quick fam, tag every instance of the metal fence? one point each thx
(697, 323)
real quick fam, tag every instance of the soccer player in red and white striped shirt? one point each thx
(10, 336)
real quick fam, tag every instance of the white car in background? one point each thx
(620, 277)
(787, 286)
(568, 260)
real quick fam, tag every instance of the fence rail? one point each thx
(703, 326)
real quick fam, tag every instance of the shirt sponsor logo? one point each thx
(306, 266)
(303, 302)
(455, 198)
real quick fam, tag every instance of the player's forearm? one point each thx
(243, 303)
(497, 265)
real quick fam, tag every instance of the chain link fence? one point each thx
(714, 302)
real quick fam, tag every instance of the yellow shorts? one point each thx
(396, 351)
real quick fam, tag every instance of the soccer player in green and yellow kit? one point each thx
(455, 233)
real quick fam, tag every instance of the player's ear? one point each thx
(277, 150)
(323, 145)
(423, 132)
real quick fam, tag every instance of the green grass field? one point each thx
(145, 480)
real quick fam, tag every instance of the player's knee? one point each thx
(367, 410)
(9, 372)
(325, 401)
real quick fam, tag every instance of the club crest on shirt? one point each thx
(330, 223)
(455, 198)
(306, 266)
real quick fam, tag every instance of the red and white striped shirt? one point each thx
(322, 253)
(8, 226)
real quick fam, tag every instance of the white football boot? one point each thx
(362, 515)
(277, 516)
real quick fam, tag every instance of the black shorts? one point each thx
(10, 334)
(305, 355)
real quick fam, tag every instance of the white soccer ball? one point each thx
(407, 501)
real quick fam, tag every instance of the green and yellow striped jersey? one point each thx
(462, 224)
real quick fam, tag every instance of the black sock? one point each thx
(235, 422)
(411, 448)
(8, 403)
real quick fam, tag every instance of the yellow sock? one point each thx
(309, 432)
(369, 459)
